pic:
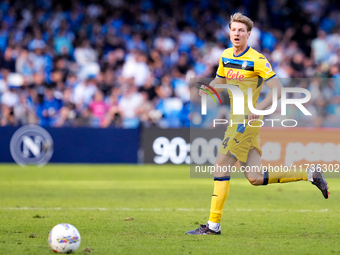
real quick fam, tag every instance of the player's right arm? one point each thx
(219, 79)
(215, 81)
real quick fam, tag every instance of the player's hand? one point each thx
(252, 116)
(202, 92)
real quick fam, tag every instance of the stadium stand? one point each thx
(128, 64)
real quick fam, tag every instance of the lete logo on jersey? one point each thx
(231, 75)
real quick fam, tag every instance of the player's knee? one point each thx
(255, 181)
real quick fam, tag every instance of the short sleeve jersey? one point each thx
(248, 69)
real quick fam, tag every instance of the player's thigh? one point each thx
(240, 140)
(252, 167)
(223, 164)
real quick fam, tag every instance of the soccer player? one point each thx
(244, 67)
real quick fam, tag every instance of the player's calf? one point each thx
(255, 181)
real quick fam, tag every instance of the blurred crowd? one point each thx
(118, 63)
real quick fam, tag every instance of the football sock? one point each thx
(282, 177)
(213, 226)
(221, 190)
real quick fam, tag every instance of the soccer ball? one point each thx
(64, 238)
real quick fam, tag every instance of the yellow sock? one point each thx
(221, 190)
(291, 176)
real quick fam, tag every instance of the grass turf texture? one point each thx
(164, 203)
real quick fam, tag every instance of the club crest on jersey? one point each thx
(244, 65)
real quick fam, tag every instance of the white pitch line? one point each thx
(155, 209)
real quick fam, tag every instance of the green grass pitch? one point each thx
(164, 203)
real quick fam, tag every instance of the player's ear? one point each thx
(249, 32)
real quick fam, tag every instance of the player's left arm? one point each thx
(264, 70)
(272, 83)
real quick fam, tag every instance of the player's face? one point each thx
(238, 34)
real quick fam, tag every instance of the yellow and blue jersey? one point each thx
(248, 69)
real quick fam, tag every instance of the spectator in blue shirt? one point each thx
(47, 111)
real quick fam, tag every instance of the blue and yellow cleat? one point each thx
(204, 230)
(315, 176)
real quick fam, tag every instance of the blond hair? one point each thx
(239, 17)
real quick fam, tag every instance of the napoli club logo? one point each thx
(244, 65)
(31, 145)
